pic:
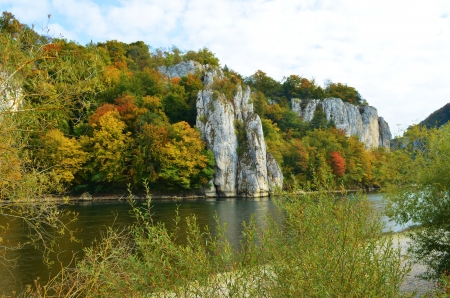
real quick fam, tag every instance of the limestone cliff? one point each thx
(244, 167)
(10, 93)
(362, 121)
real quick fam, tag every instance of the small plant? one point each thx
(203, 119)
(225, 86)
(241, 134)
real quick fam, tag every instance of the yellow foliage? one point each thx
(109, 148)
(10, 165)
(63, 157)
(182, 157)
(111, 75)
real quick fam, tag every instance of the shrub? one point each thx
(322, 247)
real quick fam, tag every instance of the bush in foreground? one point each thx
(324, 246)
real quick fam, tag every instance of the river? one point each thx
(94, 217)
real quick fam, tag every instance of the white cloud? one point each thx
(393, 52)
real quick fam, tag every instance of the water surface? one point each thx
(95, 217)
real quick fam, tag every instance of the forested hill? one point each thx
(438, 117)
(102, 117)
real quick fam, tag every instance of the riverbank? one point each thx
(193, 195)
(412, 283)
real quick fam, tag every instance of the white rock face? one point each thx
(362, 121)
(252, 172)
(385, 133)
(241, 169)
(10, 93)
(191, 67)
(181, 70)
(309, 107)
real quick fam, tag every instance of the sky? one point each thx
(394, 52)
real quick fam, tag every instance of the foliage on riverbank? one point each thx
(420, 194)
(324, 246)
(97, 117)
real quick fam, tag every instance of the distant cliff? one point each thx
(362, 121)
(243, 166)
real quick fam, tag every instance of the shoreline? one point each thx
(168, 196)
(412, 283)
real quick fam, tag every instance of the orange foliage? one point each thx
(51, 49)
(121, 65)
(175, 81)
(128, 109)
(337, 163)
(102, 110)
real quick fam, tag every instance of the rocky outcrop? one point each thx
(304, 109)
(182, 69)
(362, 121)
(385, 133)
(243, 168)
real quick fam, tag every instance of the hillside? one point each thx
(438, 117)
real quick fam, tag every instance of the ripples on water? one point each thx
(94, 217)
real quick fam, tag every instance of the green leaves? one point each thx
(420, 194)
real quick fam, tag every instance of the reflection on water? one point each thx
(94, 217)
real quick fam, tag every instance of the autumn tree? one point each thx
(44, 84)
(298, 87)
(61, 157)
(337, 163)
(271, 88)
(108, 150)
(172, 154)
(344, 92)
(182, 158)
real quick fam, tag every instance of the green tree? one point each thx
(421, 194)
(175, 107)
(204, 56)
(344, 92)
(265, 84)
(298, 87)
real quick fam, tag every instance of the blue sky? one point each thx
(394, 52)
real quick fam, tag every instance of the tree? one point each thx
(44, 84)
(108, 149)
(174, 107)
(204, 56)
(62, 157)
(337, 163)
(344, 92)
(298, 87)
(421, 194)
(265, 84)
(183, 159)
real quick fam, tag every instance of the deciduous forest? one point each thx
(99, 117)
